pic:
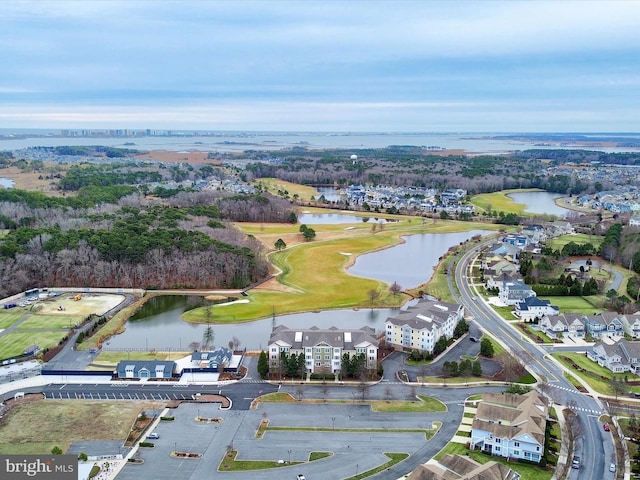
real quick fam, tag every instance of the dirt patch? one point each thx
(87, 304)
(31, 181)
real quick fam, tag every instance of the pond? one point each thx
(540, 202)
(6, 182)
(411, 263)
(157, 325)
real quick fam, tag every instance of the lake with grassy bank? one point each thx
(158, 325)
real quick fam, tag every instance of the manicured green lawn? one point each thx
(505, 312)
(50, 321)
(580, 238)
(14, 343)
(528, 472)
(500, 202)
(394, 459)
(9, 317)
(426, 404)
(601, 386)
(316, 278)
(586, 305)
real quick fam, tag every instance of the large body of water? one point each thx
(241, 141)
(158, 325)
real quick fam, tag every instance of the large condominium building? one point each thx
(422, 325)
(323, 349)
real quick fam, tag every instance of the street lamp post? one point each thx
(333, 423)
(289, 452)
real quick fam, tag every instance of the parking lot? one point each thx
(352, 452)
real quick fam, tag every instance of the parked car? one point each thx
(300, 477)
(473, 339)
(612, 467)
(606, 427)
(153, 436)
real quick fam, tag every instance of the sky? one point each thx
(335, 66)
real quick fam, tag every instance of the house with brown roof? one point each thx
(511, 426)
(459, 467)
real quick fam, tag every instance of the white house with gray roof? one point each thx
(420, 326)
(622, 356)
(323, 348)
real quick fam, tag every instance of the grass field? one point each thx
(586, 305)
(50, 322)
(500, 202)
(14, 343)
(9, 317)
(313, 274)
(580, 238)
(273, 185)
(36, 427)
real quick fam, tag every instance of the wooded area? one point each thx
(184, 241)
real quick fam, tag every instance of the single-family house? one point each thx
(323, 349)
(514, 292)
(605, 324)
(495, 281)
(631, 325)
(568, 324)
(145, 369)
(510, 425)
(534, 233)
(533, 307)
(420, 326)
(634, 221)
(515, 240)
(622, 356)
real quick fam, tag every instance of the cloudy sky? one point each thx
(379, 66)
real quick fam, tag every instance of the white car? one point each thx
(300, 477)
(153, 436)
(612, 467)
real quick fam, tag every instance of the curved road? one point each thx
(596, 447)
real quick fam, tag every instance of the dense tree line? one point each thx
(137, 241)
(81, 176)
(413, 166)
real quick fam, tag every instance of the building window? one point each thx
(516, 444)
(516, 453)
(498, 440)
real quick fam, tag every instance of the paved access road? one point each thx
(596, 446)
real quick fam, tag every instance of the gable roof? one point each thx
(426, 315)
(314, 336)
(511, 416)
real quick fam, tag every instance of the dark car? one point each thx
(576, 462)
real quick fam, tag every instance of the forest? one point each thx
(420, 167)
(112, 234)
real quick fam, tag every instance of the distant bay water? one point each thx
(273, 141)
